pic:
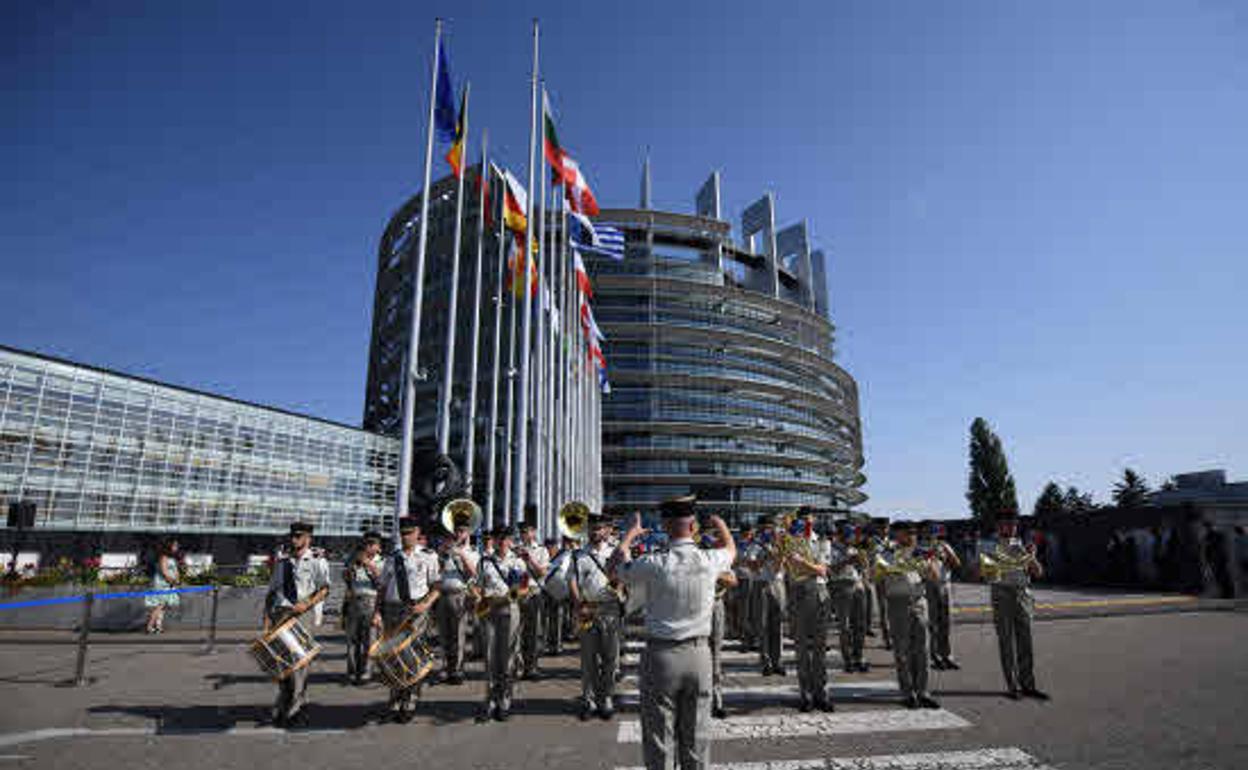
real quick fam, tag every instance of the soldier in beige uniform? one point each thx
(848, 597)
(939, 599)
(362, 576)
(807, 570)
(458, 567)
(1013, 605)
(499, 581)
(597, 610)
(533, 606)
(408, 589)
(679, 586)
(772, 599)
(300, 581)
(907, 615)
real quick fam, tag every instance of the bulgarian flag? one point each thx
(582, 275)
(565, 170)
(550, 140)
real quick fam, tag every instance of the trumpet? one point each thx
(895, 565)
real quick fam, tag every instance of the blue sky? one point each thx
(1035, 212)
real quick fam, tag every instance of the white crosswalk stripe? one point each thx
(978, 759)
(785, 694)
(780, 726)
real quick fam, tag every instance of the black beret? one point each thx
(902, 525)
(678, 507)
(372, 534)
(408, 523)
(501, 531)
(301, 528)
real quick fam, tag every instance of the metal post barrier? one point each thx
(212, 623)
(83, 632)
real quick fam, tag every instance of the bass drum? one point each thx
(402, 658)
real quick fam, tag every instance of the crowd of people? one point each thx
(685, 589)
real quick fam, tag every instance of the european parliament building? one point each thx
(720, 353)
(719, 350)
(118, 457)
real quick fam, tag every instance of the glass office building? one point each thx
(721, 363)
(97, 450)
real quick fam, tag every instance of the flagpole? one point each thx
(548, 367)
(491, 471)
(471, 437)
(412, 369)
(509, 447)
(561, 408)
(522, 441)
(539, 355)
(448, 369)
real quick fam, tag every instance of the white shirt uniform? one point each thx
(359, 581)
(591, 582)
(453, 578)
(849, 573)
(495, 572)
(908, 584)
(422, 574)
(311, 574)
(541, 559)
(818, 556)
(680, 588)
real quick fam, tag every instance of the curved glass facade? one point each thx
(723, 382)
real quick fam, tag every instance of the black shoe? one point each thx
(938, 664)
(280, 722)
(849, 669)
(952, 665)
(587, 711)
(502, 714)
(405, 716)
(606, 714)
(864, 668)
(804, 705)
(928, 702)
(767, 671)
(455, 678)
(868, 632)
(911, 702)
(717, 712)
(778, 671)
(1032, 692)
(1013, 694)
(825, 705)
(887, 646)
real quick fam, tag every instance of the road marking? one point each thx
(800, 725)
(979, 759)
(787, 692)
(56, 733)
(1094, 603)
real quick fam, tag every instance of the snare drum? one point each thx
(402, 658)
(285, 649)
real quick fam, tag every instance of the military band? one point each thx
(690, 598)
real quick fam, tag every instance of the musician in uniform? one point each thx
(362, 576)
(458, 568)
(772, 600)
(408, 589)
(803, 562)
(906, 602)
(939, 595)
(883, 543)
(736, 601)
(848, 597)
(1013, 604)
(865, 543)
(679, 586)
(596, 606)
(500, 573)
(557, 616)
(533, 606)
(300, 581)
(725, 584)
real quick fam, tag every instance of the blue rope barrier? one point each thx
(117, 595)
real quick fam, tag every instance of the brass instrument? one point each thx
(894, 565)
(461, 512)
(574, 520)
(1012, 558)
(788, 545)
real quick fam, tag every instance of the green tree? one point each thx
(990, 488)
(1051, 503)
(1076, 502)
(1132, 491)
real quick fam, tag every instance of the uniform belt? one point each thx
(655, 641)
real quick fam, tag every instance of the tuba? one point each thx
(574, 520)
(461, 512)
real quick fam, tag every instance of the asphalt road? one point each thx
(1140, 691)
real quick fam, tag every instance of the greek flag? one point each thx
(596, 239)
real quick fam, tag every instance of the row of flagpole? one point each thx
(545, 402)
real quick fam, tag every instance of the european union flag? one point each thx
(444, 100)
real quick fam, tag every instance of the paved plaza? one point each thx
(1165, 689)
